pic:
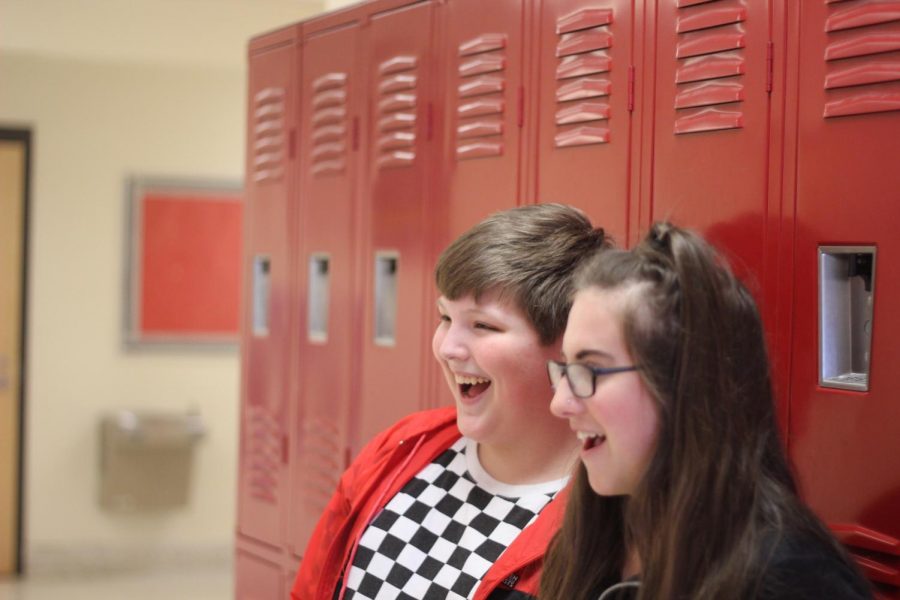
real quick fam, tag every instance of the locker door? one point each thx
(399, 68)
(845, 442)
(256, 579)
(266, 332)
(482, 110)
(330, 86)
(710, 141)
(585, 112)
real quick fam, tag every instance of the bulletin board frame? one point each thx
(184, 256)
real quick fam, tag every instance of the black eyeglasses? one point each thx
(582, 378)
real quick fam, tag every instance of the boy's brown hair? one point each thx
(528, 254)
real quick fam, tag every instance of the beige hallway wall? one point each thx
(94, 124)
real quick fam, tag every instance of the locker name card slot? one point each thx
(846, 296)
(318, 297)
(386, 268)
(261, 275)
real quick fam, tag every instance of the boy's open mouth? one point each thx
(469, 387)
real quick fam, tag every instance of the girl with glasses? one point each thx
(461, 502)
(683, 490)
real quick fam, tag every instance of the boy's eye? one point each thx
(444, 318)
(486, 326)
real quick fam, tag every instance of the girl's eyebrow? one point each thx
(587, 353)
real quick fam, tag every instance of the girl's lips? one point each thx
(589, 440)
(588, 453)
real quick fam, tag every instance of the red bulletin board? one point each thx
(184, 281)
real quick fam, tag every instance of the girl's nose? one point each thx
(564, 403)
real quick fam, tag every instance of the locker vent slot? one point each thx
(264, 454)
(583, 86)
(709, 76)
(397, 102)
(862, 70)
(320, 457)
(846, 296)
(876, 552)
(317, 315)
(481, 104)
(329, 124)
(385, 317)
(268, 151)
(261, 286)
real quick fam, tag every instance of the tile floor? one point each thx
(204, 583)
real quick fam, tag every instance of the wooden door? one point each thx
(13, 185)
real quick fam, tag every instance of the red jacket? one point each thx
(381, 470)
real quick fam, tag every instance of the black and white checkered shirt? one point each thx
(442, 532)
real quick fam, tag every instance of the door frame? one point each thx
(23, 135)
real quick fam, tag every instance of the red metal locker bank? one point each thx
(378, 133)
(268, 323)
(584, 92)
(844, 407)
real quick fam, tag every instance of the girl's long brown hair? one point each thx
(718, 494)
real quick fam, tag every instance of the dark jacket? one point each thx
(807, 569)
(801, 568)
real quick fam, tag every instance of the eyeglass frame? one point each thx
(595, 373)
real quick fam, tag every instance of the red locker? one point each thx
(585, 94)
(482, 111)
(845, 442)
(482, 82)
(395, 343)
(327, 306)
(710, 139)
(266, 355)
(712, 158)
(257, 579)
(770, 127)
